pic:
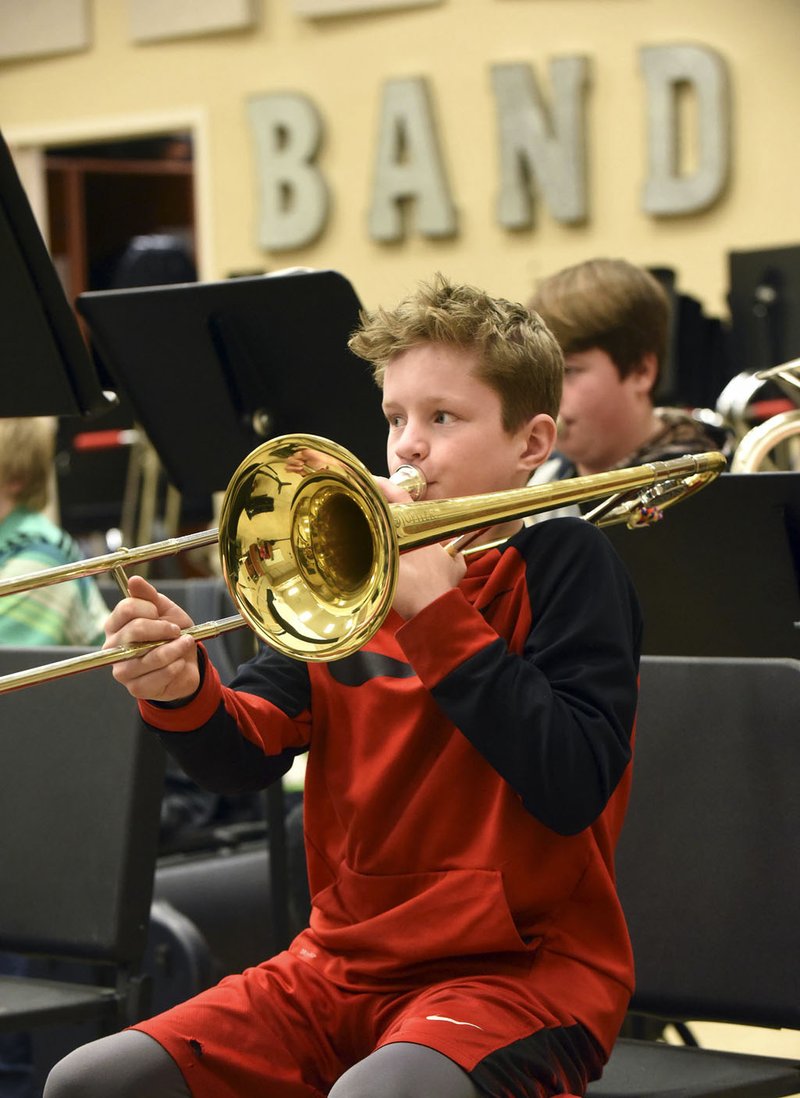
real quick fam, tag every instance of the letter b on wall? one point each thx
(287, 131)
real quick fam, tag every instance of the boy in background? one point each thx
(611, 319)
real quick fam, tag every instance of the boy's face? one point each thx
(446, 421)
(600, 412)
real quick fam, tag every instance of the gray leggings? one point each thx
(133, 1065)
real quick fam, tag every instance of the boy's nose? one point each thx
(411, 446)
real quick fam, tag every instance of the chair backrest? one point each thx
(708, 865)
(80, 794)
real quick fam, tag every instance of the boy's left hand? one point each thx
(424, 574)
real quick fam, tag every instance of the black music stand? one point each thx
(212, 369)
(720, 575)
(764, 304)
(47, 368)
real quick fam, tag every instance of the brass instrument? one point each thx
(309, 546)
(753, 451)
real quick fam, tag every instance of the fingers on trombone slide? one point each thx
(149, 619)
(167, 669)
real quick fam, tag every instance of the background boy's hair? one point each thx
(517, 355)
(607, 303)
(27, 453)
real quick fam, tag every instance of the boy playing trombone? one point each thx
(467, 776)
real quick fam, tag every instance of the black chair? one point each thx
(227, 897)
(80, 795)
(177, 958)
(709, 873)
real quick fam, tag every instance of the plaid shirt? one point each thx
(63, 613)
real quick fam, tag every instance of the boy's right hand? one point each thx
(167, 673)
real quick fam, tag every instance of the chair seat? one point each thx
(26, 1002)
(676, 1071)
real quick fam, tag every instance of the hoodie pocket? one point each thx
(398, 920)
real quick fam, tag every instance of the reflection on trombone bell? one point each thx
(314, 573)
(323, 523)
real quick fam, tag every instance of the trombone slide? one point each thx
(309, 545)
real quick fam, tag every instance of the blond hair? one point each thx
(27, 453)
(518, 357)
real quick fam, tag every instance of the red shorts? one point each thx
(282, 1028)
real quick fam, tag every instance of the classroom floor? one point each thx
(762, 1042)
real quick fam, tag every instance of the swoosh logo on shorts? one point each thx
(441, 1018)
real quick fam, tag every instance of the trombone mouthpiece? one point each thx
(412, 479)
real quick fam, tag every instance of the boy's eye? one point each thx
(443, 417)
(394, 419)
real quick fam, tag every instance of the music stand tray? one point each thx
(720, 575)
(211, 369)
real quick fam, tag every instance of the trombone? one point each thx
(309, 546)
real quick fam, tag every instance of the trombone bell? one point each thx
(307, 547)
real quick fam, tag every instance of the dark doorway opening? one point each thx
(121, 214)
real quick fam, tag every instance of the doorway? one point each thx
(102, 196)
(120, 213)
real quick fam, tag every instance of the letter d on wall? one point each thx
(667, 69)
(287, 132)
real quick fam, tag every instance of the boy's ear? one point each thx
(646, 373)
(539, 441)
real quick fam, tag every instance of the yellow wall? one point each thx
(341, 63)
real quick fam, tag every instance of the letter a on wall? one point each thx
(409, 166)
(287, 131)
